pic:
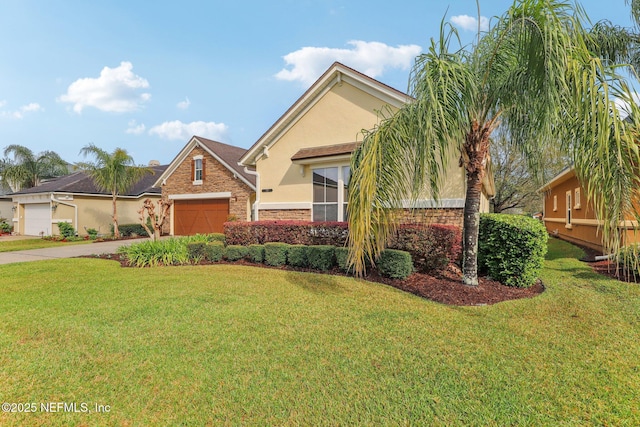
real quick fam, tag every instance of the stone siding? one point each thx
(449, 216)
(285, 214)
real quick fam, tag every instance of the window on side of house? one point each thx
(576, 198)
(555, 203)
(330, 193)
(198, 169)
(568, 218)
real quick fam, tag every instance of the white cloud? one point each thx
(469, 23)
(177, 130)
(183, 105)
(116, 90)
(370, 58)
(32, 107)
(135, 128)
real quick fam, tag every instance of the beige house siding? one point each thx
(218, 179)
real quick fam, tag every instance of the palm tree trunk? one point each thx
(471, 223)
(116, 232)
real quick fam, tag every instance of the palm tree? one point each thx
(533, 74)
(114, 172)
(27, 169)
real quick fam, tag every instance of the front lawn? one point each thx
(24, 244)
(243, 345)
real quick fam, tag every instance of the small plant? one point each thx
(275, 253)
(92, 233)
(321, 257)
(5, 227)
(395, 264)
(66, 230)
(235, 252)
(297, 256)
(255, 253)
(214, 251)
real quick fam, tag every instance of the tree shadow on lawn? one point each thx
(315, 283)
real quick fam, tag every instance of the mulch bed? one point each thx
(607, 267)
(445, 288)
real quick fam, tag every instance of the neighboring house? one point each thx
(207, 187)
(302, 161)
(568, 214)
(76, 200)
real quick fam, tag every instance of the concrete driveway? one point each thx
(64, 251)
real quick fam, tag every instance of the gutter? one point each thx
(257, 202)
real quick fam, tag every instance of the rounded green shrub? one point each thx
(297, 256)
(215, 251)
(511, 248)
(255, 253)
(321, 257)
(395, 264)
(196, 251)
(235, 252)
(275, 253)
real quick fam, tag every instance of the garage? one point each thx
(200, 216)
(37, 219)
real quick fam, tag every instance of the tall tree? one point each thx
(114, 172)
(24, 169)
(533, 74)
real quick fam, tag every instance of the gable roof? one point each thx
(336, 74)
(81, 183)
(227, 155)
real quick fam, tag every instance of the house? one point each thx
(207, 187)
(302, 161)
(75, 199)
(568, 214)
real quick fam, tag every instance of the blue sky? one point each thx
(145, 76)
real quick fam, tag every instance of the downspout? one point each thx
(75, 210)
(257, 202)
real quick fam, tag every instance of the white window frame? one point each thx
(195, 169)
(576, 198)
(555, 202)
(568, 212)
(341, 203)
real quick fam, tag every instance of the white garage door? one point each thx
(37, 219)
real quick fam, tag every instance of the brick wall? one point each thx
(217, 179)
(285, 214)
(449, 216)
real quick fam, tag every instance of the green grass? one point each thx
(226, 344)
(24, 244)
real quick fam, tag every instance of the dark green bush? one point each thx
(342, 255)
(216, 237)
(196, 251)
(129, 230)
(235, 252)
(5, 227)
(275, 253)
(511, 248)
(297, 256)
(395, 264)
(66, 230)
(215, 251)
(255, 253)
(92, 233)
(321, 257)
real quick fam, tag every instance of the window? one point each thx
(568, 219)
(330, 193)
(576, 197)
(197, 169)
(555, 203)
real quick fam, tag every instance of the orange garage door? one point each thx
(200, 216)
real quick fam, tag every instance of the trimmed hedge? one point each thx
(395, 264)
(235, 252)
(197, 250)
(342, 254)
(128, 230)
(297, 256)
(432, 247)
(216, 237)
(255, 253)
(321, 257)
(511, 248)
(291, 232)
(275, 253)
(215, 251)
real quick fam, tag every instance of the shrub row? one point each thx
(511, 248)
(432, 247)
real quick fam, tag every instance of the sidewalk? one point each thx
(70, 251)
